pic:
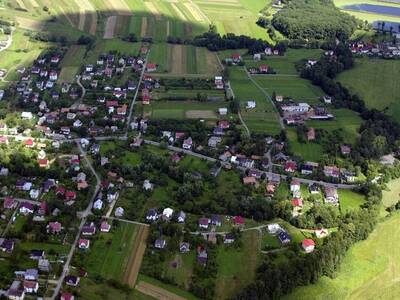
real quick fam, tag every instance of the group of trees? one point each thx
(378, 133)
(314, 19)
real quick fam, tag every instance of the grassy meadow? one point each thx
(375, 81)
(370, 270)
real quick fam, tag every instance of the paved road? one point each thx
(281, 123)
(267, 173)
(128, 121)
(83, 221)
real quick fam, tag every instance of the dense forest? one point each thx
(314, 19)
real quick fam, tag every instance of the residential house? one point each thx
(204, 222)
(147, 185)
(290, 166)
(160, 243)
(89, 229)
(345, 150)
(83, 244)
(202, 256)
(331, 171)
(216, 220)
(16, 291)
(295, 185)
(321, 233)
(249, 180)
(6, 245)
(105, 227)
(119, 212)
(36, 254)
(311, 134)
(31, 274)
(31, 287)
(274, 228)
(184, 247)
(187, 143)
(26, 208)
(9, 203)
(214, 141)
(72, 280)
(54, 227)
(284, 237)
(308, 245)
(167, 213)
(229, 238)
(98, 204)
(238, 221)
(181, 217)
(297, 202)
(331, 195)
(152, 215)
(67, 296)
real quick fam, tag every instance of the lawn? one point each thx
(375, 81)
(194, 164)
(181, 275)
(370, 269)
(109, 253)
(233, 274)
(350, 200)
(308, 150)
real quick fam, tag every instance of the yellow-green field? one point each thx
(370, 270)
(370, 17)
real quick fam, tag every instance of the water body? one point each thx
(376, 9)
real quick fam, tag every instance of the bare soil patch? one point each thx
(143, 29)
(110, 27)
(157, 292)
(136, 257)
(200, 114)
(178, 59)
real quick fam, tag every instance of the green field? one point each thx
(109, 253)
(370, 269)
(348, 121)
(261, 119)
(233, 274)
(350, 200)
(390, 196)
(375, 81)
(183, 110)
(308, 151)
(71, 63)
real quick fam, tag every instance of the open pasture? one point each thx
(71, 63)
(368, 264)
(376, 82)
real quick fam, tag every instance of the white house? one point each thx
(187, 143)
(251, 104)
(274, 228)
(98, 204)
(26, 115)
(147, 185)
(119, 212)
(167, 213)
(222, 111)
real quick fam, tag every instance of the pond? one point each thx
(377, 9)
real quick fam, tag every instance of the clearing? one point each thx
(30, 24)
(71, 63)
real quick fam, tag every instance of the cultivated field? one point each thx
(136, 256)
(370, 270)
(370, 17)
(157, 292)
(376, 81)
(183, 60)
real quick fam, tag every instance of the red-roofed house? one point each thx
(150, 67)
(249, 180)
(84, 244)
(54, 227)
(311, 134)
(70, 195)
(297, 202)
(290, 166)
(9, 203)
(43, 163)
(67, 296)
(238, 221)
(105, 227)
(236, 57)
(29, 143)
(308, 245)
(3, 139)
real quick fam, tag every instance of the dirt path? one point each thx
(110, 27)
(135, 259)
(157, 292)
